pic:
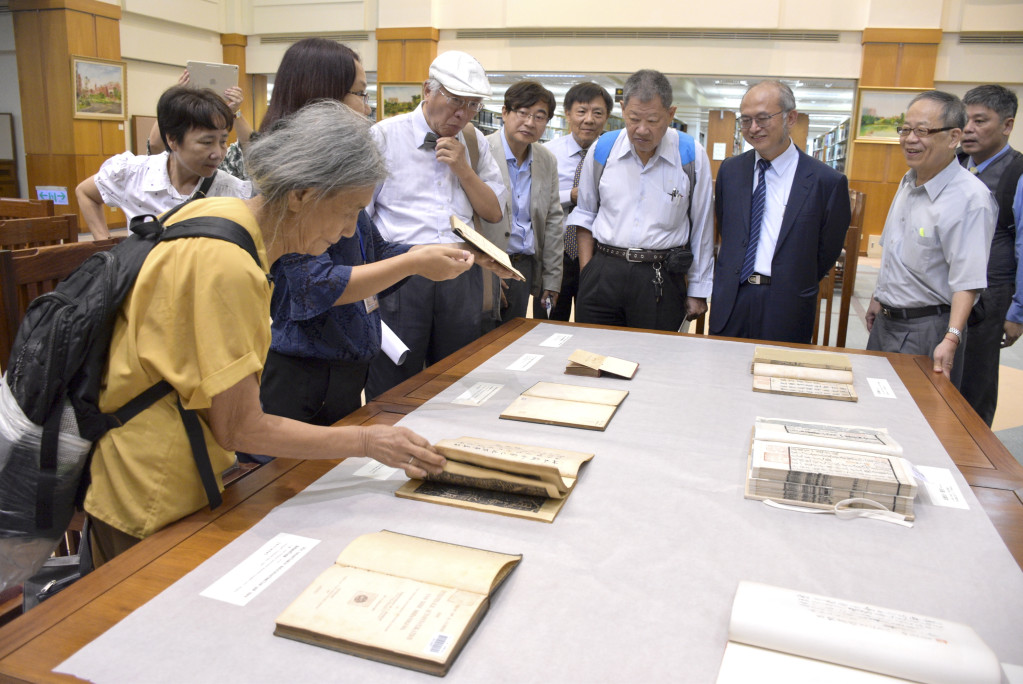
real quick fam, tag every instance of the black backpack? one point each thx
(55, 372)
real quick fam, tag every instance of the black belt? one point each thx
(757, 279)
(634, 255)
(919, 312)
(519, 256)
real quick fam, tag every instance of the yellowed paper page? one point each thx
(848, 437)
(484, 245)
(798, 357)
(605, 364)
(592, 395)
(802, 373)
(495, 454)
(804, 388)
(560, 412)
(513, 505)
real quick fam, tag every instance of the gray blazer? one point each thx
(544, 211)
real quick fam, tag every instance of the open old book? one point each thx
(803, 373)
(780, 636)
(474, 238)
(499, 477)
(398, 599)
(818, 465)
(553, 403)
(594, 365)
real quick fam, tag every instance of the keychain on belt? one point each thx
(658, 282)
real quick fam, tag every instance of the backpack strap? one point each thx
(200, 455)
(215, 227)
(204, 187)
(472, 145)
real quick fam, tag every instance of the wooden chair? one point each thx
(25, 208)
(23, 233)
(27, 273)
(844, 271)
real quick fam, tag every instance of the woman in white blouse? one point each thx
(194, 125)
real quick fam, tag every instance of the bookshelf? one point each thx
(831, 147)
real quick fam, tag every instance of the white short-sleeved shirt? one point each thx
(414, 204)
(140, 184)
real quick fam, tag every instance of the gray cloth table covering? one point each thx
(634, 580)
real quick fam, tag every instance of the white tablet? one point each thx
(217, 77)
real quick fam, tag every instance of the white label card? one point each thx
(249, 578)
(525, 362)
(375, 470)
(881, 388)
(941, 488)
(556, 340)
(477, 394)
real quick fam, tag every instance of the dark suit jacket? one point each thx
(812, 233)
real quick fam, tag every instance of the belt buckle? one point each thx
(886, 312)
(628, 255)
(754, 279)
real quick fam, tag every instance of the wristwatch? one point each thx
(957, 332)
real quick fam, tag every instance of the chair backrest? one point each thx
(25, 208)
(27, 273)
(23, 233)
(845, 272)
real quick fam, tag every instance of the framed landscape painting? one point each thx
(881, 111)
(98, 85)
(397, 98)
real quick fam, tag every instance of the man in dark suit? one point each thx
(782, 216)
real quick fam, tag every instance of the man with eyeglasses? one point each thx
(530, 230)
(782, 216)
(646, 243)
(997, 318)
(936, 240)
(587, 107)
(431, 177)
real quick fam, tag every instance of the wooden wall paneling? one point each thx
(259, 103)
(916, 66)
(880, 62)
(59, 96)
(897, 166)
(108, 39)
(799, 132)
(88, 136)
(870, 161)
(419, 54)
(879, 199)
(720, 129)
(81, 33)
(390, 61)
(31, 80)
(112, 133)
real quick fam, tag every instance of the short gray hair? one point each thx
(646, 85)
(953, 111)
(433, 85)
(786, 98)
(324, 147)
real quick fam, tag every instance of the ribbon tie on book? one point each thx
(844, 510)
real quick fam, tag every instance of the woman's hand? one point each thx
(233, 97)
(399, 447)
(442, 262)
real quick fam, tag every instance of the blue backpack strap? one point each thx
(601, 151)
(687, 154)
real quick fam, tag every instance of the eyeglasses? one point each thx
(539, 117)
(360, 93)
(461, 103)
(921, 131)
(762, 120)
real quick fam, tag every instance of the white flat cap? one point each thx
(460, 74)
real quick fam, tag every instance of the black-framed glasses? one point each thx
(761, 119)
(474, 106)
(539, 117)
(920, 131)
(360, 93)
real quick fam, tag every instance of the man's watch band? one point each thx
(957, 332)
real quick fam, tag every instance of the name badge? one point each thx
(371, 303)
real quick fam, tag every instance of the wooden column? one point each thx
(892, 58)
(800, 130)
(59, 149)
(233, 47)
(404, 54)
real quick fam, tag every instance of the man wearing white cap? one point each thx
(430, 178)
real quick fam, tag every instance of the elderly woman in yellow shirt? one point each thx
(198, 317)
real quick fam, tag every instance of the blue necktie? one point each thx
(755, 219)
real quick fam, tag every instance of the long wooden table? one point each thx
(35, 643)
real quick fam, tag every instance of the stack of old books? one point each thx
(820, 465)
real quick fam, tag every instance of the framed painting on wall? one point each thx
(881, 111)
(397, 98)
(98, 85)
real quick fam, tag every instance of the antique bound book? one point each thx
(553, 403)
(398, 599)
(800, 373)
(474, 238)
(819, 465)
(594, 365)
(517, 480)
(783, 636)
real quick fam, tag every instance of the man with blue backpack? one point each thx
(646, 240)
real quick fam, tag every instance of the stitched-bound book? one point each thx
(823, 375)
(553, 403)
(594, 365)
(398, 599)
